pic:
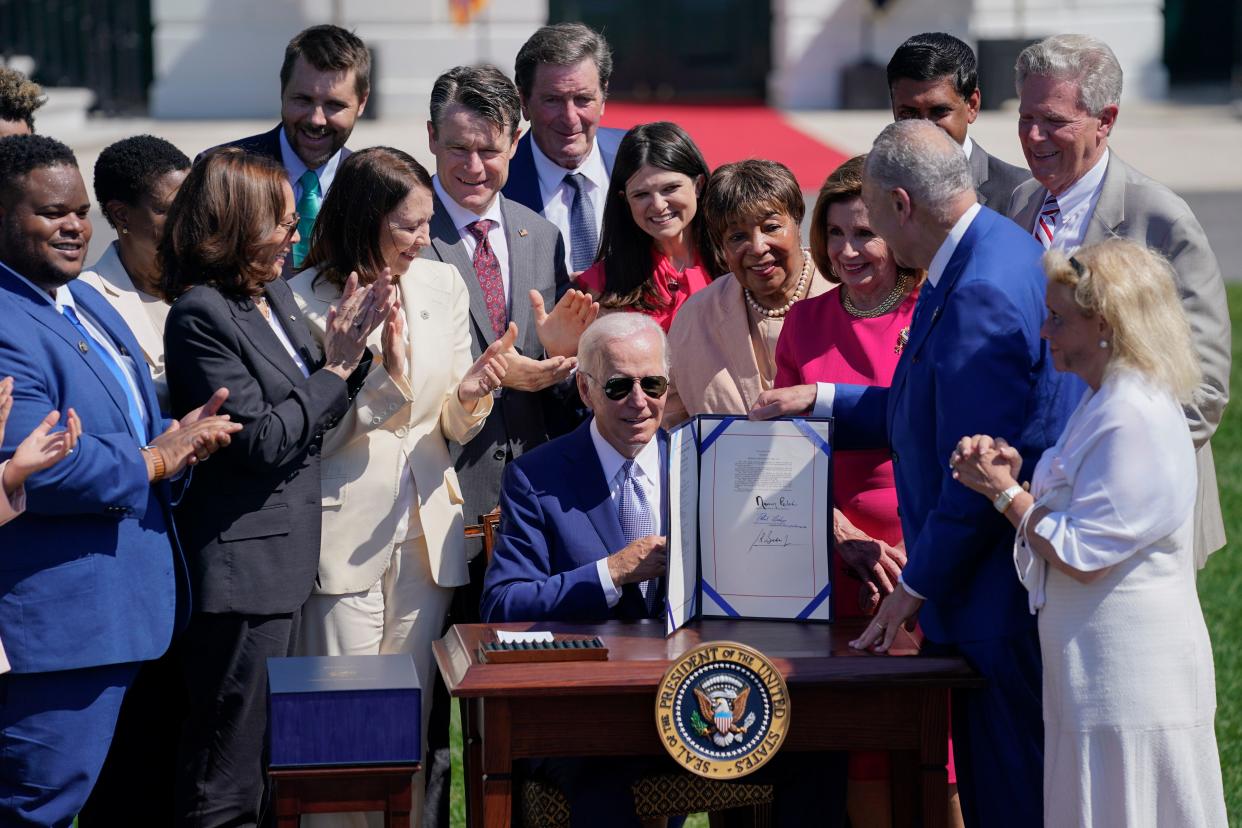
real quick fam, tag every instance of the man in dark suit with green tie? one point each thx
(325, 81)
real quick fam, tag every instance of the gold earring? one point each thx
(124, 231)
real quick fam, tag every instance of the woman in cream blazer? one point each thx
(135, 182)
(393, 545)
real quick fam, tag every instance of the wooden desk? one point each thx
(840, 699)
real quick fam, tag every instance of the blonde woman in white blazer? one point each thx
(393, 546)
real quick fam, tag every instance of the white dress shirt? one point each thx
(295, 168)
(1078, 205)
(967, 146)
(462, 218)
(64, 299)
(647, 471)
(825, 392)
(558, 197)
(278, 329)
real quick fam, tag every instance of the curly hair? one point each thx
(217, 225)
(19, 154)
(126, 170)
(19, 97)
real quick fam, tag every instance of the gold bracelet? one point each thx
(157, 460)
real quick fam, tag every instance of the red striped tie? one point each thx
(1049, 218)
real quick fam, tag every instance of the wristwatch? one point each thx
(1005, 498)
(157, 462)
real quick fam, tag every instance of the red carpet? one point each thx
(732, 132)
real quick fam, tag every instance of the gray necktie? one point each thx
(637, 521)
(583, 239)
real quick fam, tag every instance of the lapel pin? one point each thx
(292, 318)
(522, 232)
(82, 346)
(425, 314)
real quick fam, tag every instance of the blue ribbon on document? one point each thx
(812, 435)
(715, 433)
(815, 602)
(724, 605)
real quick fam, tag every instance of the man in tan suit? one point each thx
(1070, 89)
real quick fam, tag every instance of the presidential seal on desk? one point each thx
(722, 710)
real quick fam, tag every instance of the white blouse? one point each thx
(1121, 479)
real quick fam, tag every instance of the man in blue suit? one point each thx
(582, 517)
(89, 582)
(974, 364)
(563, 163)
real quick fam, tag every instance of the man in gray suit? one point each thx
(513, 263)
(934, 76)
(1070, 88)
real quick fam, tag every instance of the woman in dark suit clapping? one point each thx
(250, 520)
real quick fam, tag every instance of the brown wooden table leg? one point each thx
(472, 760)
(497, 764)
(904, 787)
(397, 809)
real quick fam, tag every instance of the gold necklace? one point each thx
(894, 297)
(777, 313)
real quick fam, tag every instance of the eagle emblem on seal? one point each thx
(724, 712)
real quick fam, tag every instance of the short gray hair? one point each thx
(612, 326)
(920, 158)
(1082, 59)
(562, 44)
(484, 90)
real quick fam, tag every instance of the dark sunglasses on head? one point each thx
(618, 388)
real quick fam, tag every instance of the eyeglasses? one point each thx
(618, 388)
(290, 225)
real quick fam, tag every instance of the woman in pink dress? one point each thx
(855, 334)
(653, 253)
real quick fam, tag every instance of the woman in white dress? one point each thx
(1104, 547)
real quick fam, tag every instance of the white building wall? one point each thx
(814, 40)
(221, 58)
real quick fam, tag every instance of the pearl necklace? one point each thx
(896, 295)
(777, 313)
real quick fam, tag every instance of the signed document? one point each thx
(751, 528)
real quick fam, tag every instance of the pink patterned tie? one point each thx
(487, 268)
(1046, 224)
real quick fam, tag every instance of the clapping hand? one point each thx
(560, 330)
(985, 464)
(488, 371)
(41, 449)
(194, 437)
(359, 312)
(392, 340)
(525, 374)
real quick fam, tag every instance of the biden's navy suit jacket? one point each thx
(557, 519)
(974, 364)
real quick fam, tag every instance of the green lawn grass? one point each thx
(1220, 591)
(1220, 583)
